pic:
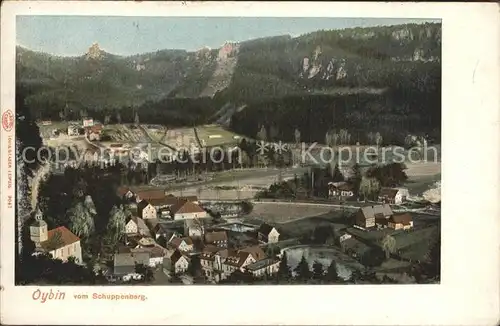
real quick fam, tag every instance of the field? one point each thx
(284, 212)
(181, 138)
(215, 135)
(155, 132)
(122, 133)
(46, 130)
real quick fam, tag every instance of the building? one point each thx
(236, 260)
(125, 193)
(217, 238)
(136, 226)
(268, 234)
(194, 228)
(211, 259)
(73, 130)
(94, 132)
(164, 231)
(256, 252)
(60, 242)
(400, 221)
(124, 264)
(177, 263)
(187, 210)
(184, 244)
(268, 266)
(366, 216)
(146, 211)
(393, 195)
(340, 190)
(156, 254)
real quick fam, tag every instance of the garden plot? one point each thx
(181, 138)
(126, 133)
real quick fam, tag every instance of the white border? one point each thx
(469, 292)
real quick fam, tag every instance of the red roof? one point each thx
(58, 238)
(186, 207)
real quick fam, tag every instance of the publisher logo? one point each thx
(7, 120)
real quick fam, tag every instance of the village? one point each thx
(169, 239)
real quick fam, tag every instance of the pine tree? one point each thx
(318, 271)
(331, 275)
(284, 272)
(303, 273)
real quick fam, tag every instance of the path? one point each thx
(42, 171)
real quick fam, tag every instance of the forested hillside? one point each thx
(380, 78)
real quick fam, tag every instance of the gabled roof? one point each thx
(216, 236)
(237, 260)
(58, 238)
(177, 241)
(131, 258)
(186, 207)
(176, 256)
(141, 205)
(404, 218)
(150, 194)
(255, 251)
(371, 211)
(141, 225)
(121, 191)
(265, 229)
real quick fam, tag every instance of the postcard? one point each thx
(193, 160)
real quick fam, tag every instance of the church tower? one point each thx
(38, 230)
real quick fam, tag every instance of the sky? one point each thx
(73, 35)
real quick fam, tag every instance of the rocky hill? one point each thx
(398, 61)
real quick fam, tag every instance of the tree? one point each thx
(337, 176)
(284, 273)
(388, 245)
(116, 223)
(331, 275)
(369, 187)
(194, 268)
(378, 139)
(318, 271)
(322, 233)
(246, 207)
(81, 220)
(302, 271)
(373, 257)
(297, 136)
(144, 270)
(356, 178)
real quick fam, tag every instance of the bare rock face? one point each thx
(95, 52)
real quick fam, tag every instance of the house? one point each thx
(177, 263)
(216, 238)
(340, 190)
(136, 225)
(73, 130)
(145, 210)
(268, 266)
(211, 259)
(236, 260)
(187, 210)
(366, 216)
(150, 194)
(193, 199)
(94, 132)
(343, 237)
(256, 252)
(156, 254)
(163, 230)
(400, 221)
(125, 192)
(393, 195)
(268, 234)
(184, 244)
(194, 228)
(124, 264)
(60, 242)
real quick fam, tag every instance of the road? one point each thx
(42, 171)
